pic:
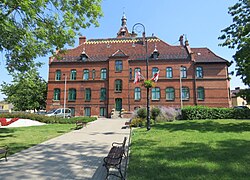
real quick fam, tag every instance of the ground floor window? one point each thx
(103, 111)
(87, 111)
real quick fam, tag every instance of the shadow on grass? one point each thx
(229, 160)
(204, 126)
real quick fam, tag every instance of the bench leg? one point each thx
(6, 157)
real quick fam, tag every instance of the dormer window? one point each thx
(155, 54)
(84, 56)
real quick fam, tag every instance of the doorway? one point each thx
(118, 104)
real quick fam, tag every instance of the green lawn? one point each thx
(204, 149)
(24, 137)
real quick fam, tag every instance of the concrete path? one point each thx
(75, 155)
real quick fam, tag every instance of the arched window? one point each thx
(57, 93)
(154, 70)
(85, 74)
(199, 72)
(200, 93)
(93, 74)
(137, 93)
(185, 93)
(87, 94)
(137, 70)
(72, 94)
(156, 93)
(103, 73)
(58, 75)
(118, 85)
(170, 95)
(183, 72)
(73, 74)
(169, 72)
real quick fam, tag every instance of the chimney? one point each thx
(191, 54)
(82, 39)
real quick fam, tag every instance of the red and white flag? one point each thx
(156, 76)
(137, 77)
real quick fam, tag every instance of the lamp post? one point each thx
(181, 86)
(64, 100)
(145, 43)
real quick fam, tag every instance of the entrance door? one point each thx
(118, 104)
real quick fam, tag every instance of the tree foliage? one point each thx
(237, 36)
(28, 91)
(33, 28)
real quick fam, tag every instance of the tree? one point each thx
(27, 91)
(33, 28)
(237, 36)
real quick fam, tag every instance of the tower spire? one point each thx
(123, 32)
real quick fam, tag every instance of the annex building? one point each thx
(98, 75)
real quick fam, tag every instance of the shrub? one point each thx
(155, 111)
(202, 112)
(137, 122)
(142, 113)
(46, 119)
(168, 114)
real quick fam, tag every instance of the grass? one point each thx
(24, 137)
(203, 149)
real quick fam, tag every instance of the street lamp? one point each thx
(64, 100)
(181, 70)
(145, 43)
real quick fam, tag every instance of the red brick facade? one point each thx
(210, 89)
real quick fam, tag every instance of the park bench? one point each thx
(80, 124)
(114, 158)
(3, 152)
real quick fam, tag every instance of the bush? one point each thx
(137, 122)
(142, 113)
(202, 112)
(168, 114)
(155, 111)
(46, 119)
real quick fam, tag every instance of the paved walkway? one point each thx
(75, 155)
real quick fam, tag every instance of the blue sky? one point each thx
(200, 20)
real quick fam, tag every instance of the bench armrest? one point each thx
(116, 143)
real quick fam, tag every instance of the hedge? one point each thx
(203, 112)
(46, 119)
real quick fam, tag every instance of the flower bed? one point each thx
(7, 121)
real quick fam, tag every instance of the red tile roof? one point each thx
(102, 49)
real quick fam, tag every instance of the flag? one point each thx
(137, 77)
(156, 76)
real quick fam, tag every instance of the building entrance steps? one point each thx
(75, 155)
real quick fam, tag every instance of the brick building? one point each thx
(99, 75)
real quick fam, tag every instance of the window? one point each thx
(87, 94)
(170, 95)
(103, 111)
(130, 73)
(199, 72)
(85, 74)
(58, 75)
(72, 94)
(137, 70)
(154, 70)
(118, 85)
(169, 72)
(156, 93)
(93, 74)
(73, 74)
(200, 93)
(185, 93)
(56, 94)
(118, 66)
(137, 93)
(87, 111)
(103, 73)
(183, 72)
(103, 94)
